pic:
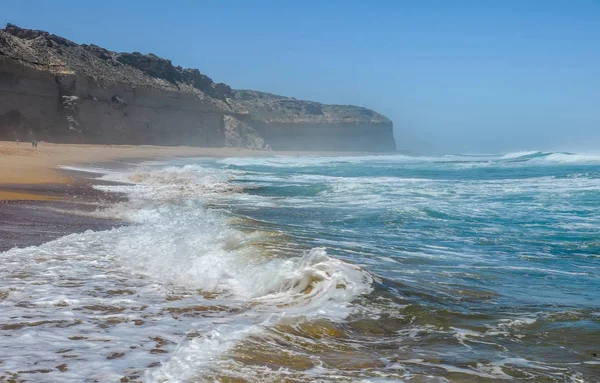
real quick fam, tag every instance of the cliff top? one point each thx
(62, 57)
(45, 51)
(274, 108)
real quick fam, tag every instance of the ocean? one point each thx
(457, 268)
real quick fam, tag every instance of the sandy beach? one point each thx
(25, 172)
(39, 201)
(38, 198)
(22, 166)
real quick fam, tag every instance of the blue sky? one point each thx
(463, 76)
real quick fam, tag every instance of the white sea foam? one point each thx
(176, 244)
(306, 161)
(457, 161)
(519, 154)
(207, 289)
(554, 157)
(566, 158)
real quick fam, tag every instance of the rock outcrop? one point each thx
(241, 135)
(289, 124)
(55, 90)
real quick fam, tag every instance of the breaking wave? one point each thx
(174, 244)
(255, 269)
(552, 157)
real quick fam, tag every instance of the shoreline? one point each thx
(40, 202)
(22, 166)
(40, 213)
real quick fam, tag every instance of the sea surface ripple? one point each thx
(459, 268)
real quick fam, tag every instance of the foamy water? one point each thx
(378, 268)
(114, 303)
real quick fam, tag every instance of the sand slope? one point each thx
(20, 164)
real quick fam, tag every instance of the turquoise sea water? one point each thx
(525, 228)
(468, 268)
(487, 263)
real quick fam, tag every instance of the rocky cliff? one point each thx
(288, 124)
(53, 89)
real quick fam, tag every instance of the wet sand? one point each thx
(39, 213)
(39, 201)
(31, 223)
(22, 166)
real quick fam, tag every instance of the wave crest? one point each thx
(551, 157)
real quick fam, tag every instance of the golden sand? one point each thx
(22, 196)
(20, 164)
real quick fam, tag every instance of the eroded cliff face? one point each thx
(28, 100)
(241, 135)
(55, 90)
(289, 124)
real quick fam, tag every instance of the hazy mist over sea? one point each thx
(454, 77)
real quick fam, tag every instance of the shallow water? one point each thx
(379, 268)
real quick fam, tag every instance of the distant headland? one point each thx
(55, 90)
